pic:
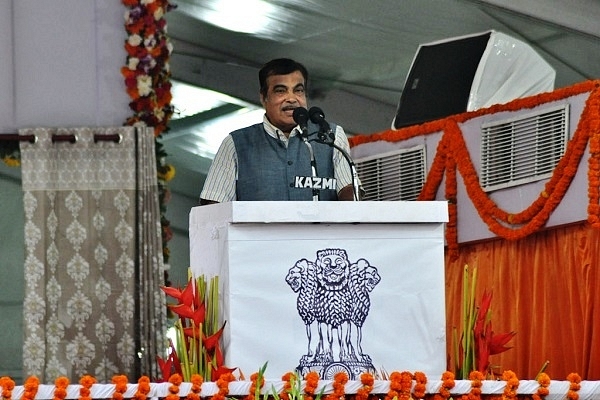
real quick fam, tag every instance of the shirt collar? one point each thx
(275, 132)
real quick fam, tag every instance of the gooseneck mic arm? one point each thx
(301, 118)
(327, 136)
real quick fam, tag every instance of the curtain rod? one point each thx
(115, 137)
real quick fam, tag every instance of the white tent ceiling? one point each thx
(358, 52)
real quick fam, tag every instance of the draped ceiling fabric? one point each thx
(93, 255)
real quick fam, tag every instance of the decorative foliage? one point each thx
(197, 349)
(478, 341)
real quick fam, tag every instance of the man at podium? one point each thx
(293, 154)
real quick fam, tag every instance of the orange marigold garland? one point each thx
(254, 386)
(593, 125)
(223, 386)
(542, 391)
(395, 386)
(287, 385)
(310, 387)
(86, 383)
(196, 388)
(175, 381)
(31, 387)
(507, 225)
(120, 382)
(451, 197)
(447, 384)
(420, 385)
(339, 386)
(143, 388)
(574, 386)
(512, 384)
(367, 380)
(7, 387)
(60, 388)
(476, 379)
(405, 385)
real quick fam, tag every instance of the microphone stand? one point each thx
(313, 163)
(328, 138)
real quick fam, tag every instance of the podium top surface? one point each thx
(322, 211)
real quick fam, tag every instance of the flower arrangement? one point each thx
(147, 72)
(148, 82)
(478, 342)
(197, 349)
(298, 389)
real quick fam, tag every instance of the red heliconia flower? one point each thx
(497, 343)
(172, 291)
(189, 305)
(220, 370)
(213, 340)
(170, 364)
(486, 343)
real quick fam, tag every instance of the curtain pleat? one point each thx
(93, 262)
(545, 287)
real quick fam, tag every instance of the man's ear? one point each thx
(263, 100)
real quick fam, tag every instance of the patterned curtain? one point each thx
(93, 254)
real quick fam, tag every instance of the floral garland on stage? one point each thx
(148, 81)
(452, 156)
(402, 385)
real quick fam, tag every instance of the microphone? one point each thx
(300, 116)
(317, 116)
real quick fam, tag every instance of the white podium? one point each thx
(327, 286)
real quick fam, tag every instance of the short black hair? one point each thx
(279, 66)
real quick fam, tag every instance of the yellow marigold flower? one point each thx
(166, 173)
(11, 161)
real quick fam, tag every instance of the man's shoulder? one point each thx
(248, 129)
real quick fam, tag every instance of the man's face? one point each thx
(285, 92)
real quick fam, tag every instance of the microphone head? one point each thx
(316, 115)
(300, 116)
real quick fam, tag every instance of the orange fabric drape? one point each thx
(545, 287)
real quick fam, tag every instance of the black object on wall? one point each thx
(439, 81)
